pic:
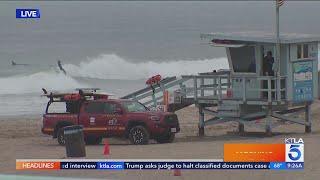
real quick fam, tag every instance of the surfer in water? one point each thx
(16, 64)
(61, 68)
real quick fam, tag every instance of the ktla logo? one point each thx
(294, 150)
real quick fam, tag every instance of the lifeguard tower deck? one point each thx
(246, 93)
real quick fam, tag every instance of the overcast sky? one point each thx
(139, 31)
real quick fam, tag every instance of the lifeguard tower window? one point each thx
(243, 59)
(302, 51)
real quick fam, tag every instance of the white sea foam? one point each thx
(110, 66)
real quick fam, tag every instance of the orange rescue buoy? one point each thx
(154, 80)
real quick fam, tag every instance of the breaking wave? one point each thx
(114, 67)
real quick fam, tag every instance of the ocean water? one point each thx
(21, 93)
(116, 46)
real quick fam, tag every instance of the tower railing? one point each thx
(238, 87)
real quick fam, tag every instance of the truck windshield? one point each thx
(133, 106)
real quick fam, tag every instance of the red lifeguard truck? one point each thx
(102, 117)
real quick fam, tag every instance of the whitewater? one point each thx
(114, 67)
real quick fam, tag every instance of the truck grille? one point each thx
(171, 120)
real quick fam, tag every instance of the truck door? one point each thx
(115, 118)
(102, 118)
(93, 118)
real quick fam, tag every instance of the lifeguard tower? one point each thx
(253, 94)
(246, 93)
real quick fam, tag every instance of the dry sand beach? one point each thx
(20, 138)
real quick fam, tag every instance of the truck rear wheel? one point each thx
(165, 138)
(60, 137)
(139, 135)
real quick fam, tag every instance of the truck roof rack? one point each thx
(82, 94)
(88, 89)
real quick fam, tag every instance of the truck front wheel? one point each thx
(60, 137)
(139, 135)
(165, 138)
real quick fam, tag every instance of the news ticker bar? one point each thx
(152, 165)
